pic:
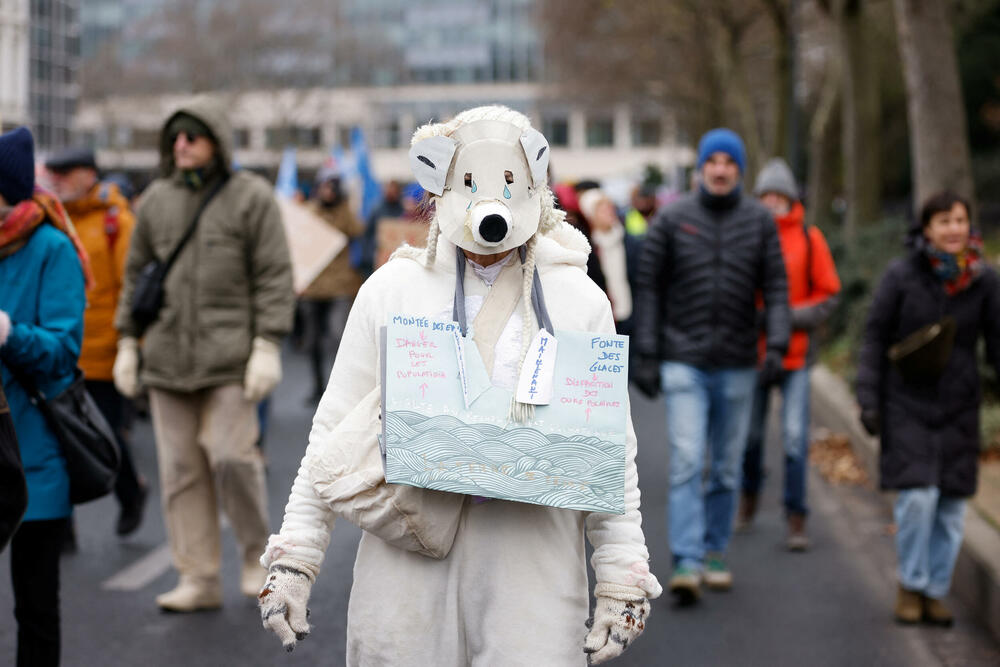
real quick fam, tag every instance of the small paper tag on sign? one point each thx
(463, 377)
(535, 383)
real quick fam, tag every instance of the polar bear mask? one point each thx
(488, 176)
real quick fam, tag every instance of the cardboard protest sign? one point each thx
(446, 427)
(312, 243)
(390, 233)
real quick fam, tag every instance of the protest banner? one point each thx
(390, 233)
(446, 427)
(312, 243)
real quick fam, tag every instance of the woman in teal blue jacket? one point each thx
(42, 282)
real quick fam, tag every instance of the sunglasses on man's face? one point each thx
(190, 136)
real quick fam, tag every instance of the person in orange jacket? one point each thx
(104, 222)
(813, 286)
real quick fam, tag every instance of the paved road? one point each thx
(830, 606)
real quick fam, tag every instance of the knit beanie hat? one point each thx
(722, 140)
(589, 202)
(17, 165)
(776, 176)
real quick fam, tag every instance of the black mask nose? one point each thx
(493, 228)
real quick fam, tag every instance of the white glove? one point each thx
(126, 369)
(4, 327)
(619, 618)
(263, 370)
(282, 603)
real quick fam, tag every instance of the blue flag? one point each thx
(287, 183)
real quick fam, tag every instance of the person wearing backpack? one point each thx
(211, 352)
(44, 271)
(104, 221)
(813, 286)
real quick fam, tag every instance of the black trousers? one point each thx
(34, 572)
(118, 411)
(322, 336)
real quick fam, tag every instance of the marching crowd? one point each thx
(721, 290)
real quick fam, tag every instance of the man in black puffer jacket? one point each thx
(704, 261)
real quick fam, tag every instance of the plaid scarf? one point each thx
(18, 223)
(957, 272)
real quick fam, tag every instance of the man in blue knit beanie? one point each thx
(705, 258)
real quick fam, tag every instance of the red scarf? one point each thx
(21, 221)
(957, 272)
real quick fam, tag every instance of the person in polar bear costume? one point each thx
(513, 589)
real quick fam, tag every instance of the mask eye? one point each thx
(468, 179)
(509, 177)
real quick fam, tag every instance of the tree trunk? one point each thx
(823, 147)
(861, 117)
(938, 135)
(782, 141)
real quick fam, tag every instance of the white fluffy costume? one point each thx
(513, 589)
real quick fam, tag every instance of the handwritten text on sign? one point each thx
(452, 431)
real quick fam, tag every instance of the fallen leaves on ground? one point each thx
(990, 455)
(832, 455)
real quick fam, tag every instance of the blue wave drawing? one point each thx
(522, 464)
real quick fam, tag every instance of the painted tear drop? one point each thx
(469, 206)
(474, 187)
(506, 192)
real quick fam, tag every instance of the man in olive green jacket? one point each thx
(212, 354)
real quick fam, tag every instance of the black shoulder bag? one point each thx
(87, 441)
(148, 293)
(14, 499)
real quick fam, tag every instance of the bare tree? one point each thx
(711, 61)
(938, 133)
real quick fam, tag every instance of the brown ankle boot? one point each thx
(937, 613)
(746, 512)
(909, 606)
(797, 540)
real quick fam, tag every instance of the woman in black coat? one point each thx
(926, 406)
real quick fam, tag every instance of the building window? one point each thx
(145, 139)
(646, 132)
(278, 138)
(308, 137)
(241, 138)
(556, 130)
(600, 132)
(387, 135)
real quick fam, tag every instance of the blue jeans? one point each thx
(708, 411)
(794, 433)
(929, 530)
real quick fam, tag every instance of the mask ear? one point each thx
(536, 150)
(430, 160)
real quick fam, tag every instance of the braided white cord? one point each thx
(432, 242)
(525, 412)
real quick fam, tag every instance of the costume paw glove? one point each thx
(619, 618)
(645, 375)
(282, 603)
(263, 370)
(4, 327)
(126, 369)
